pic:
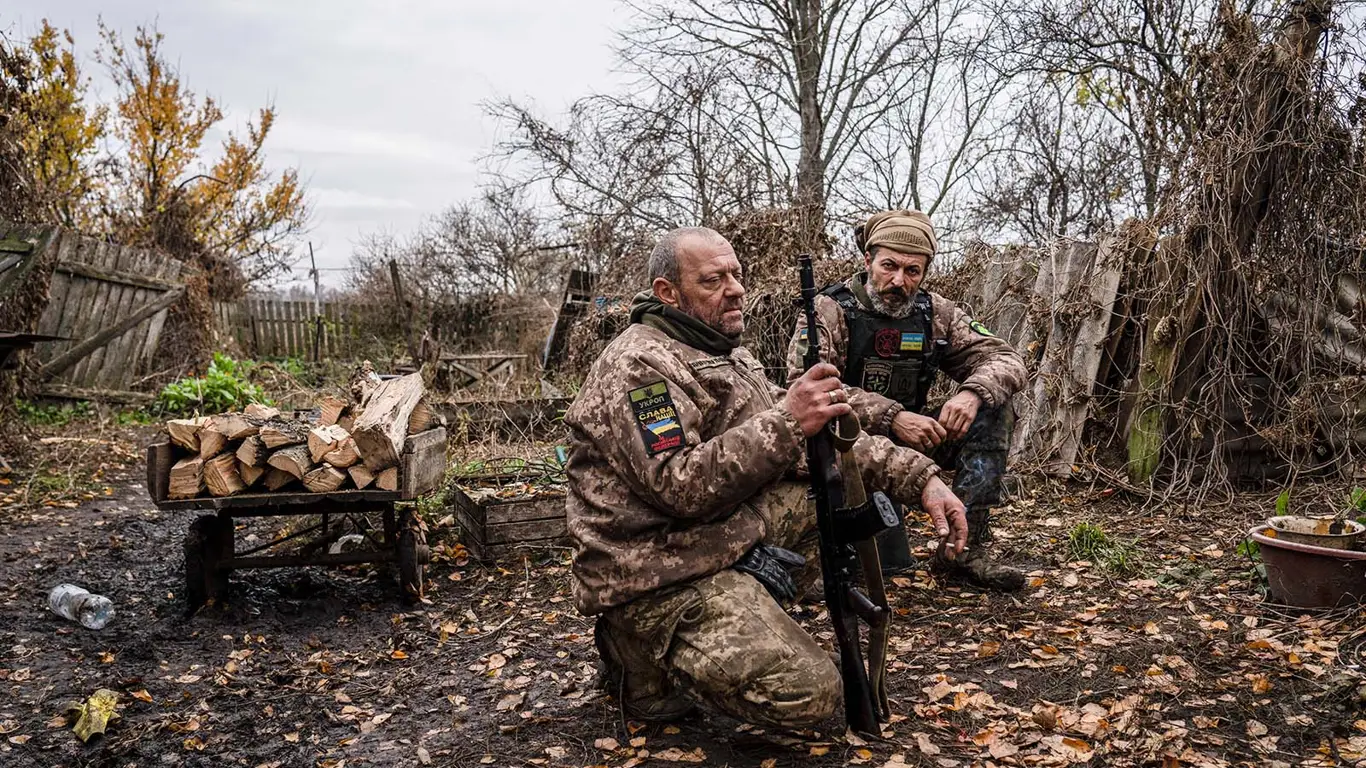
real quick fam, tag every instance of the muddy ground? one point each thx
(1164, 653)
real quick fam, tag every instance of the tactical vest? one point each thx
(896, 358)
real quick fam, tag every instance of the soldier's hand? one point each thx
(959, 413)
(919, 432)
(816, 398)
(949, 517)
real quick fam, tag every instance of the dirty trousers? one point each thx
(724, 639)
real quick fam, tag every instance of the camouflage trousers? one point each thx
(724, 640)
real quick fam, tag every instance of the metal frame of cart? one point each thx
(210, 546)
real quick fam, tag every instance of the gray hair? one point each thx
(664, 258)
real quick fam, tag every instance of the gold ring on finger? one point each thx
(834, 396)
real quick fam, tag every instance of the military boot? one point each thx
(639, 684)
(975, 565)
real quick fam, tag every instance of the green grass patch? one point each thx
(1088, 541)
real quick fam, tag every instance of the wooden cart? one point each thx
(210, 549)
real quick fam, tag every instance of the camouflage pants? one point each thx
(726, 641)
(979, 461)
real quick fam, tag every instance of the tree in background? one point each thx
(52, 133)
(233, 217)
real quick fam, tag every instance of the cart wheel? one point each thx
(208, 542)
(412, 553)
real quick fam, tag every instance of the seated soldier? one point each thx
(889, 340)
(682, 483)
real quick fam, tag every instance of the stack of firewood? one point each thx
(346, 444)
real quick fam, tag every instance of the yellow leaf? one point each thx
(1260, 684)
(819, 751)
(292, 738)
(988, 648)
(143, 695)
(398, 654)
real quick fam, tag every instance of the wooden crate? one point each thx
(493, 527)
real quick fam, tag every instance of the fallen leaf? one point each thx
(188, 679)
(676, 755)
(819, 751)
(555, 753)
(1002, 749)
(398, 654)
(22, 739)
(423, 756)
(923, 743)
(292, 738)
(638, 742)
(607, 744)
(1256, 728)
(94, 714)
(988, 648)
(510, 702)
(497, 661)
(1260, 684)
(142, 695)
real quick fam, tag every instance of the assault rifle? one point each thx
(847, 520)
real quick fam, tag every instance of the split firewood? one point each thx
(344, 455)
(294, 460)
(322, 440)
(211, 442)
(185, 432)
(262, 411)
(324, 479)
(360, 475)
(276, 479)
(220, 475)
(422, 419)
(234, 426)
(330, 409)
(347, 421)
(363, 382)
(380, 431)
(280, 433)
(253, 452)
(387, 480)
(187, 478)
(250, 474)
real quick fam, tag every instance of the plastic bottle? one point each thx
(71, 602)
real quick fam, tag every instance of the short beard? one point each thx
(687, 308)
(896, 313)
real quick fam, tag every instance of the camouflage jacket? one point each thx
(979, 361)
(672, 451)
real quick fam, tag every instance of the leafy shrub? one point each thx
(53, 415)
(223, 387)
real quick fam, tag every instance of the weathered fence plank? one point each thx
(272, 327)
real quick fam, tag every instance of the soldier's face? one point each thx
(895, 277)
(711, 285)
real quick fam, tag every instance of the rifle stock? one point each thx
(841, 525)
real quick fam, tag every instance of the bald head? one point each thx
(664, 258)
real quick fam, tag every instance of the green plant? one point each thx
(223, 387)
(1087, 541)
(51, 415)
(1283, 503)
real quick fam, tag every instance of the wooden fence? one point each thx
(108, 302)
(273, 327)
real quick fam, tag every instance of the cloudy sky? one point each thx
(378, 103)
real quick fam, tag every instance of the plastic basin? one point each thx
(1318, 531)
(1308, 576)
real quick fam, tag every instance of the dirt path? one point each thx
(1179, 663)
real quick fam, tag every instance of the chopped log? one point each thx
(234, 426)
(220, 475)
(187, 478)
(294, 460)
(324, 479)
(185, 432)
(379, 431)
(364, 381)
(387, 480)
(360, 475)
(422, 419)
(262, 411)
(278, 434)
(211, 442)
(347, 421)
(344, 455)
(330, 409)
(249, 473)
(253, 452)
(322, 440)
(277, 479)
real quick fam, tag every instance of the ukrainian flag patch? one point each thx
(912, 342)
(657, 418)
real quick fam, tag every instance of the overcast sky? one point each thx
(378, 104)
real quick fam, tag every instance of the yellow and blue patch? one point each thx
(912, 342)
(657, 418)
